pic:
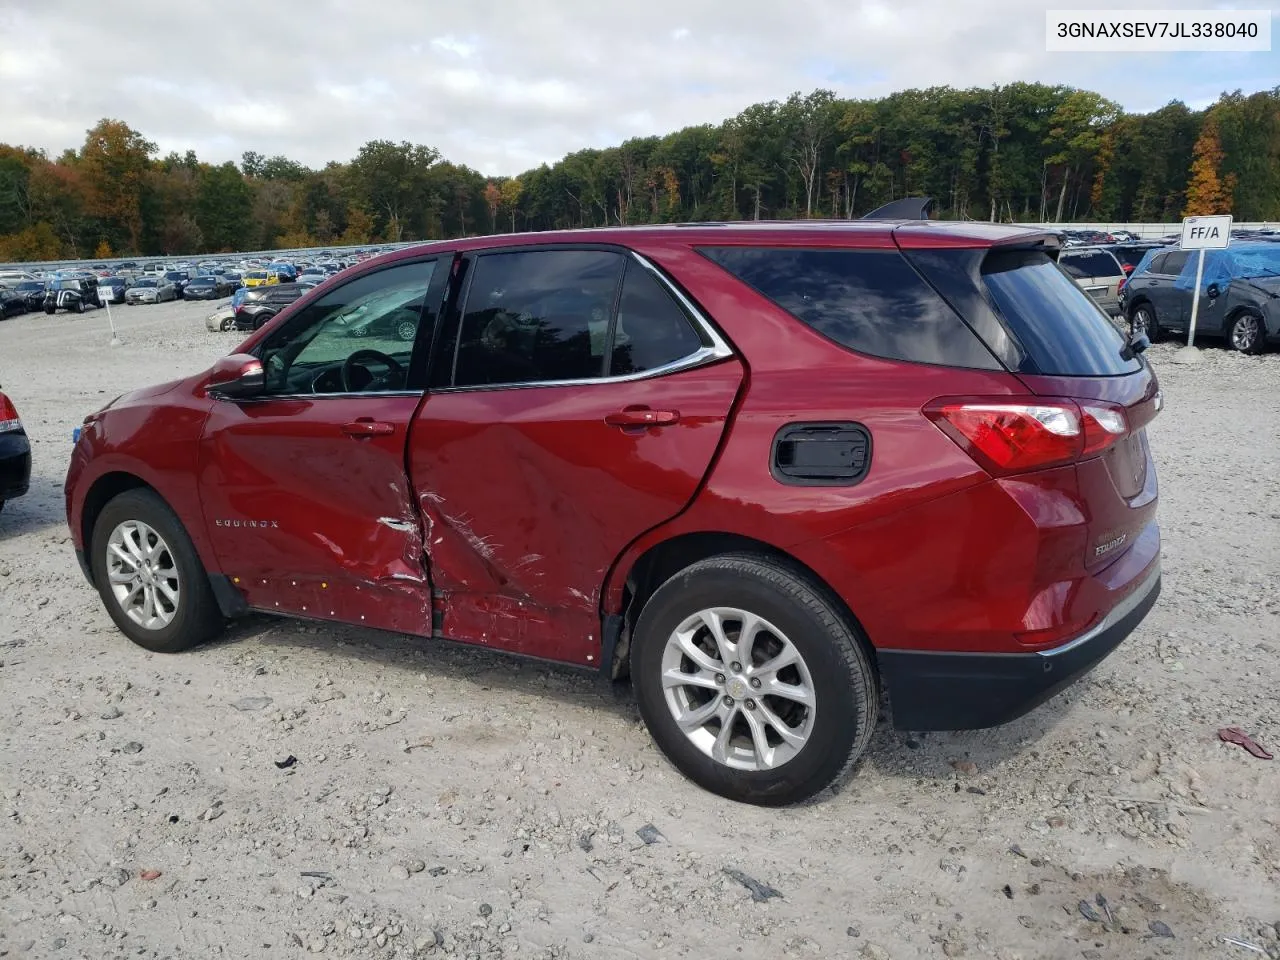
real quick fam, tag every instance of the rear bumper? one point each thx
(15, 465)
(931, 690)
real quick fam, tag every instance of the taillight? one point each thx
(9, 421)
(1007, 437)
(1120, 285)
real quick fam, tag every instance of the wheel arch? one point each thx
(103, 490)
(661, 561)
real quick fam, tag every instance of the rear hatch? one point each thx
(1057, 341)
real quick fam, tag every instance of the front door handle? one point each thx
(365, 427)
(642, 417)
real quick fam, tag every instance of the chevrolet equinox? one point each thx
(765, 469)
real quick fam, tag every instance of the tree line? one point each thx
(1021, 152)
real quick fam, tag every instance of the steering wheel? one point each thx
(349, 365)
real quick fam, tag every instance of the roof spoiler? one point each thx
(908, 208)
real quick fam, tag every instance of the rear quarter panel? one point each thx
(813, 379)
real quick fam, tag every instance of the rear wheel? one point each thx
(79, 306)
(1144, 321)
(406, 330)
(149, 575)
(1248, 332)
(752, 681)
(229, 323)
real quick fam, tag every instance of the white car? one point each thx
(223, 318)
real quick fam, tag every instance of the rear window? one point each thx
(1094, 264)
(871, 301)
(1058, 324)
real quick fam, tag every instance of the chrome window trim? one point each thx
(268, 397)
(718, 349)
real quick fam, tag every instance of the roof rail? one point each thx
(908, 208)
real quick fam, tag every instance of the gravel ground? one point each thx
(446, 802)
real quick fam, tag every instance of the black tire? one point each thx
(229, 324)
(1143, 318)
(1247, 332)
(197, 618)
(79, 306)
(51, 310)
(837, 655)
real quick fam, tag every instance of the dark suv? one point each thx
(765, 469)
(71, 293)
(260, 304)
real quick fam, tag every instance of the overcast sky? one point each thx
(504, 86)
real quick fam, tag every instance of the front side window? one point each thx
(358, 338)
(535, 316)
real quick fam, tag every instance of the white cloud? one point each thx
(503, 85)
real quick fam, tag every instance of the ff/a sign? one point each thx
(1206, 233)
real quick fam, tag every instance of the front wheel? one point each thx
(1248, 332)
(79, 306)
(149, 575)
(752, 681)
(229, 324)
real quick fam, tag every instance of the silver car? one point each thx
(150, 290)
(1098, 273)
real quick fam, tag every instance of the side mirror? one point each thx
(239, 375)
(1136, 344)
(1213, 291)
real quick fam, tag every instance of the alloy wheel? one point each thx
(1245, 332)
(738, 689)
(143, 575)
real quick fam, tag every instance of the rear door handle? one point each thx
(642, 417)
(365, 427)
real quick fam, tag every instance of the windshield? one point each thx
(145, 283)
(29, 285)
(256, 275)
(202, 282)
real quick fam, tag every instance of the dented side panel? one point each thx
(307, 520)
(528, 496)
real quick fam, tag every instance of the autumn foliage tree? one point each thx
(1208, 192)
(1021, 152)
(114, 162)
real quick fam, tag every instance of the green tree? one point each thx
(223, 208)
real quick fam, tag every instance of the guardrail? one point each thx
(1147, 231)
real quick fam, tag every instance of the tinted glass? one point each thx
(871, 301)
(375, 314)
(145, 283)
(1093, 264)
(1058, 324)
(652, 330)
(1174, 262)
(536, 316)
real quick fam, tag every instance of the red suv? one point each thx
(764, 468)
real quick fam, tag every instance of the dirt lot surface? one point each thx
(447, 802)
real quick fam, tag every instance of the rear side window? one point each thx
(1173, 263)
(1094, 264)
(652, 330)
(871, 301)
(1058, 324)
(536, 316)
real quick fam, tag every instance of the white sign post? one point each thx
(106, 302)
(1203, 233)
